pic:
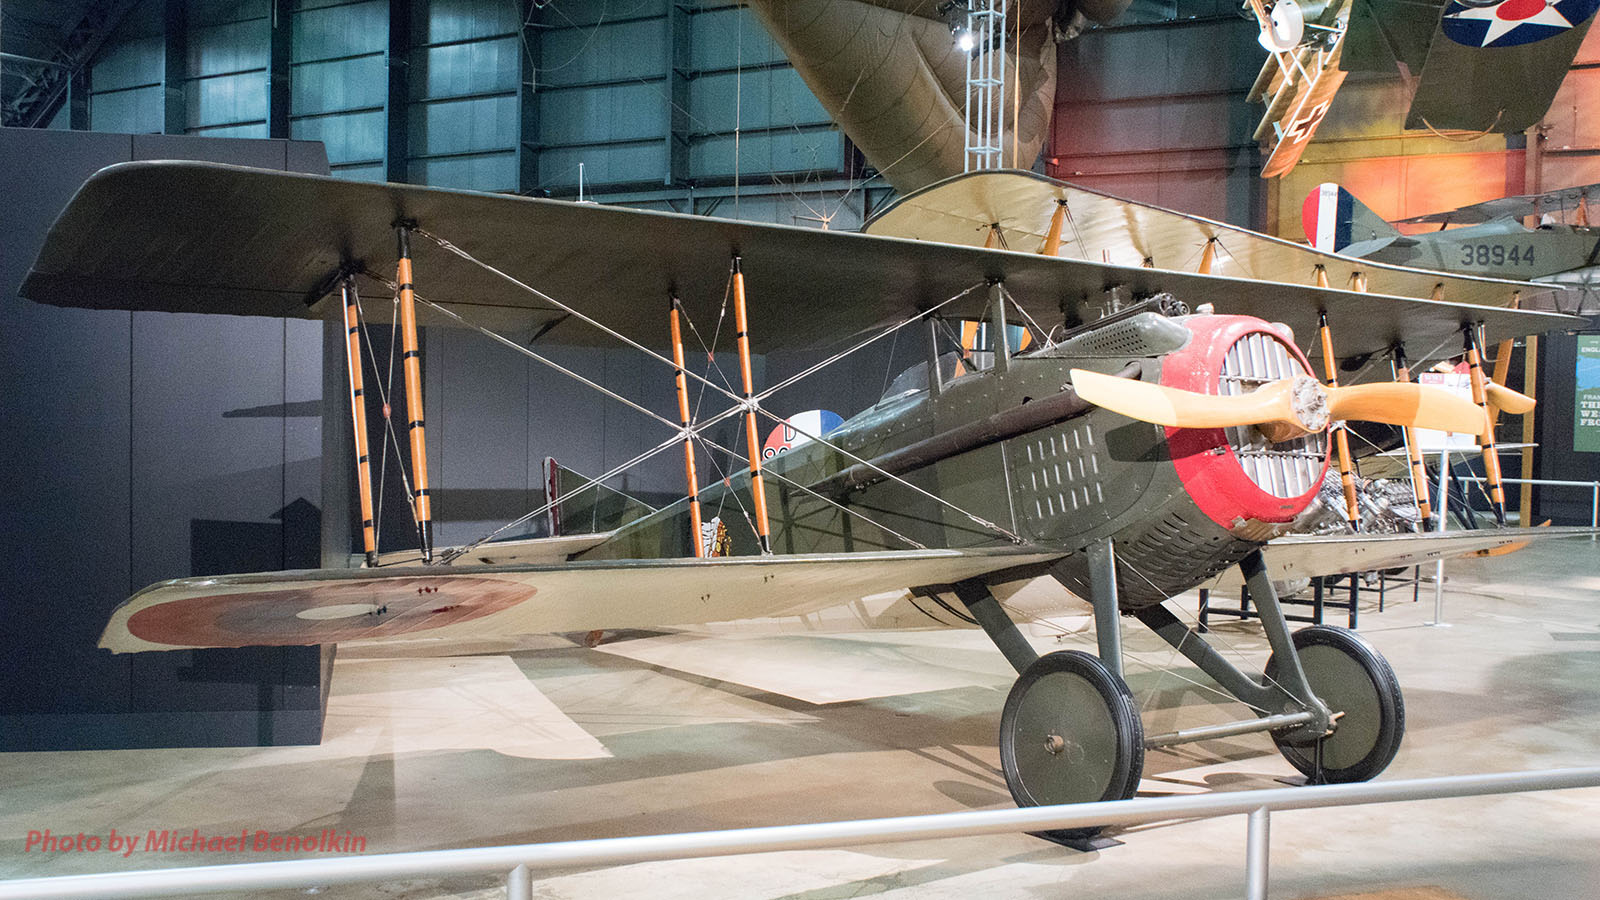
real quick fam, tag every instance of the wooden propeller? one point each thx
(1509, 401)
(1285, 409)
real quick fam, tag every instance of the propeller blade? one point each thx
(1175, 407)
(1507, 400)
(1398, 403)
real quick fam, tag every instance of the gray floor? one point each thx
(546, 740)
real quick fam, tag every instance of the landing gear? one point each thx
(1070, 733)
(1357, 683)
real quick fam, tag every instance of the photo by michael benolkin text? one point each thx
(245, 840)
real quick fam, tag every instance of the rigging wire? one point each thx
(693, 432)
(753, 404)
(385, 390)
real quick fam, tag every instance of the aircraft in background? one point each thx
(1492, 241)
(1470, 65)
(1161, 427)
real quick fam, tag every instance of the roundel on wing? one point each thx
(1510, 23)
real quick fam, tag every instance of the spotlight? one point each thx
(954, 14)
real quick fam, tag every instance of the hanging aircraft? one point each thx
(893, 74)
(1492, 242)
(1470, 65)
(1163, 426)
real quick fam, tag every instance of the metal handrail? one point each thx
(521, 859)
(1593, 486)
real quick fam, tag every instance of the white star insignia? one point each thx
(1499, 27)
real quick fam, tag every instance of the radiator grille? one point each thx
(1288, 469)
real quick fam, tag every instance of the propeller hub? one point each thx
(1308, 399)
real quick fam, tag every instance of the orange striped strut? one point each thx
(1341, 440)
(758, 490)
(412, 355)
(1419, 471)
(358, 416)
(1486, 447)
(681, 384)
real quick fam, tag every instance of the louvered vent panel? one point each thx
(1291, 468)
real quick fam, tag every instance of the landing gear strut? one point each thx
(1071, 733)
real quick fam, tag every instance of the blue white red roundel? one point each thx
(1326, 216)
(788, 434)
(1513, 22)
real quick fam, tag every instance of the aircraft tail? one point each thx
(1334, 219)
(597, 509)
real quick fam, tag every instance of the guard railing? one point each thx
(521, 860)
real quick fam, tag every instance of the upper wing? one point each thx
(1306, 556)
(1496, 66)
(1512, 207)
(960, 210)
(201, 237)
(327, 606)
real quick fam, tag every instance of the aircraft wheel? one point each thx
(1070, 733)
(1352, 678)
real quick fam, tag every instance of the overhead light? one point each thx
(954, 14)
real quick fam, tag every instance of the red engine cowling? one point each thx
(1240, 481)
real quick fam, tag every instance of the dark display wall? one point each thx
(150, 446)
(1556, 459)
(141, 447)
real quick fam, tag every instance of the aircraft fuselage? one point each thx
(1182, 504)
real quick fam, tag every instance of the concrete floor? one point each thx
(546, 740)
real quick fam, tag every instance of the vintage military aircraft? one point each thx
(1492, 240)
(1471, 65)
(1163, 426)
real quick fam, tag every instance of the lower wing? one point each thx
(1307, 556)
(326, 606)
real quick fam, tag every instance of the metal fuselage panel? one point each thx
(1498, 249)
(1065, 486)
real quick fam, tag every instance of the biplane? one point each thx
(1161, 426)
(1563, 249)
(1470, 65)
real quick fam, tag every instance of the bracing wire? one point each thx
(695, 432)
(753, 404)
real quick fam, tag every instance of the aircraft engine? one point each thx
(1239, 479)
(1226, 491)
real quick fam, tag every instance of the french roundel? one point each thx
(793, 431)
(1510, 23)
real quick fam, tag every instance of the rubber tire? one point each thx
(1376, 713)
(1113, 726)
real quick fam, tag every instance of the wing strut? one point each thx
(358, 416)
(1419, 471)
(758, 491)
(1341, 439)
(1480, 396)
(681, 384)
(413, 368)
(1052, 238)
(1207, 255)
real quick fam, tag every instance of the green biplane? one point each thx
(1159, 427)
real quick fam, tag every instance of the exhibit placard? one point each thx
(1586, 397)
